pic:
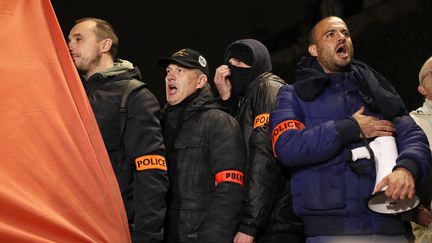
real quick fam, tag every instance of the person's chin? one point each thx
(344, 62)
(172, 100)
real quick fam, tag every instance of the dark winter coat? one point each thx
(206, 163)
(312, 134)
(143, 187)
(267, 205)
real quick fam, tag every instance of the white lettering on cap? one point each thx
(202, 61)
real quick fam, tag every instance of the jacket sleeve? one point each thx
(144, 144)
(296, 144)
(263, 99)
(413, 148)
(262, 176)
(262, 182)
(226, 154)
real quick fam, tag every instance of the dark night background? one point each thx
(392, 36)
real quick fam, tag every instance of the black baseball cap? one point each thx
(187, 58)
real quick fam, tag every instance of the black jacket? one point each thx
(267, 206)
(252, 109)
(143, 188)
(203, 144)
(268, 203)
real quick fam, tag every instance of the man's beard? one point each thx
(85, 68)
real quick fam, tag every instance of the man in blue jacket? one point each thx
(335, 105)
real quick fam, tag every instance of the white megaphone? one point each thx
(385, 155)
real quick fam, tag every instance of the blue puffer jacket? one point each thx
(313, 138)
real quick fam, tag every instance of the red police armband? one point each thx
(284, 126)
(148, 162)
(261, 120)
(230, 176)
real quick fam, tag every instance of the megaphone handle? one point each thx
(360, 153)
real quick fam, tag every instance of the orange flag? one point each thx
(56, 181)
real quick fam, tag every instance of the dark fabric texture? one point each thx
(267, 209)
(187, 58)
(377, 93)
(267, 200)
(241, 52)
(240, 78)
(143, 192)
(174, 119)
(207, 142)
(253, 53)
(328, 194)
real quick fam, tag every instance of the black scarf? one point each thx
(173, 119)
(378, 94)
(240, 78)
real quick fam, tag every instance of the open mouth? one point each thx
(172, 89)
(342, 51)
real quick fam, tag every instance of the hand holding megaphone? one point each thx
(398, 185)
(394, 190)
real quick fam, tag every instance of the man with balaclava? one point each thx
(248, 90)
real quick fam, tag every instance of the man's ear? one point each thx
(312, 50)
(106, 45)
(202, 80)
(422, 90)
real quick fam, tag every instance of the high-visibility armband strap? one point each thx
(261, 119)
(150, 162)
(230, 176)
(284, 126)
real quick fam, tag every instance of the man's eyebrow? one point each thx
(77, 35)
(329, 31)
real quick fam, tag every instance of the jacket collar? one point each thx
(378, 94)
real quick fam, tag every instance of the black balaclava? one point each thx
(251, 52)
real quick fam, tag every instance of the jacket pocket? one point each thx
(193, 211)
(185, 142)
(189, 157)
(319, 189)
(189, 225)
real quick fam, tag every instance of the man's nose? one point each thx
(169, 77)
(341, 37)
(71, 44)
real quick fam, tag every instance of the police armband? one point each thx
(149, 162)
(261, 119)
(230, 176)
(284, 126)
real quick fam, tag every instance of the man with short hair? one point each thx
(93, 46)
(206, 155)
(335, 105)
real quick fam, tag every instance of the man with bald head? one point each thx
(338, 104)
